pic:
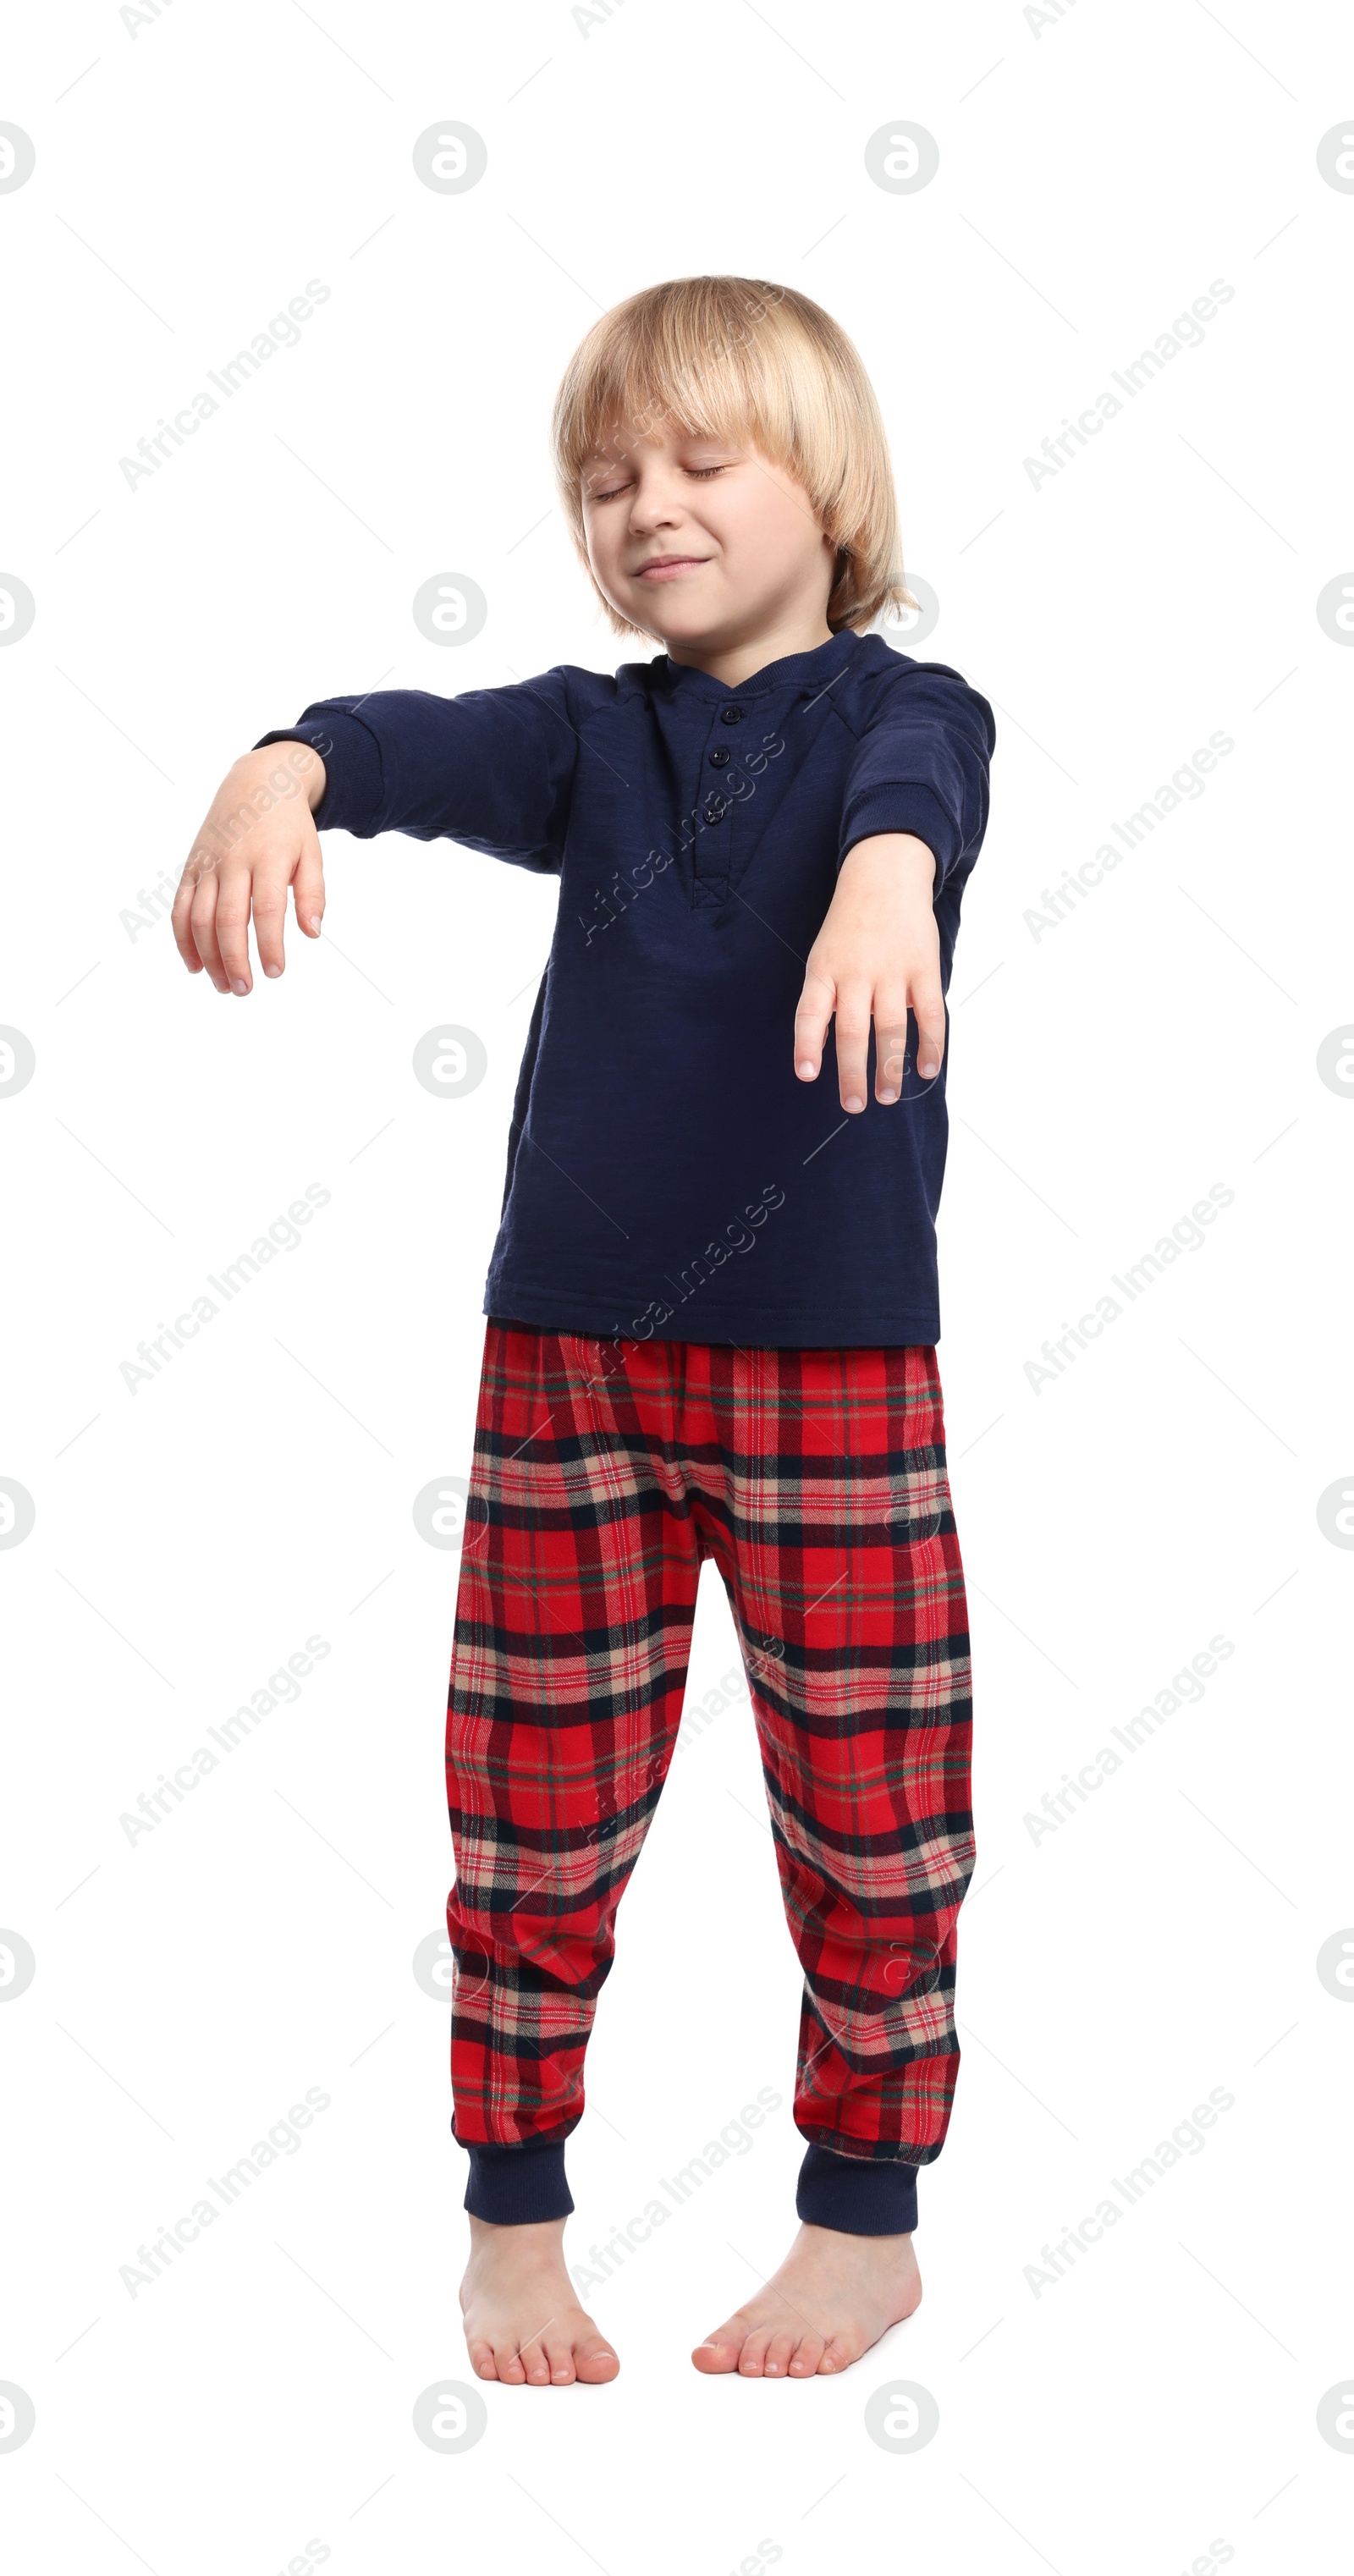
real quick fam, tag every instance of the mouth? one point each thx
(667, 567)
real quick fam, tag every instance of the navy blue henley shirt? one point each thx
(668, 1172)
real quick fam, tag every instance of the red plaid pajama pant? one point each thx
(605, 1471)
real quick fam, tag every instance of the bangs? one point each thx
(681, 364)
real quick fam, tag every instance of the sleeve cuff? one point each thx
(908, 807)
(354, 790)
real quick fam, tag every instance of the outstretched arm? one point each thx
(491, 769)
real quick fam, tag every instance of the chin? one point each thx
(683, 622)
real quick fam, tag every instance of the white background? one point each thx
(1096, 174)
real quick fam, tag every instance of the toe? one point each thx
(720, 2350)
(482, 2359)
(778, 2353)
(839, 2353)
(559, 2356)
(807, 2354)
(508, 2365)
(753, 2355)
(595, 2362)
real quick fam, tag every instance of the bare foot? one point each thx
(522, 2321)
(833, 2297)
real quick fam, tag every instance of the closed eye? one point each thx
(694, 473)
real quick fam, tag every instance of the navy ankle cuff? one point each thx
(855, 2195)
(513, 2186)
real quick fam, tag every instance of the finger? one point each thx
(234, 883)
(202, 925)
(811, 1019)
(890, 1042)
(270, 913)
(308, 886)
(853, 1043)
(928, 1006)
(181, 915)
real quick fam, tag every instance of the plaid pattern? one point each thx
(604, 1472)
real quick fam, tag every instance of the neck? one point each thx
(735, 662)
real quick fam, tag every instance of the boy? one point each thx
(712, 1307)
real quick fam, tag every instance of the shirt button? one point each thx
(715, 808)
(730, 715)
(720, 757)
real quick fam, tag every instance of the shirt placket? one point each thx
(714, 816)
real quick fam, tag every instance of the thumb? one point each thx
(816, 1004)
(308, 887)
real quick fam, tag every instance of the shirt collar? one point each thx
(813, 670)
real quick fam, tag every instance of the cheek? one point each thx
(595, 539)
(768, 525)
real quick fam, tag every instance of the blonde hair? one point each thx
(737, 358)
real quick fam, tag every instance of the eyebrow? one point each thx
(599, 460)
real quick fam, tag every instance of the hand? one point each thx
(257, 840)
(878, 951)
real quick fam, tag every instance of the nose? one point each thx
(655, 504)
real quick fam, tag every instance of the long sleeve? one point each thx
(492, 768)
(921, 765)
